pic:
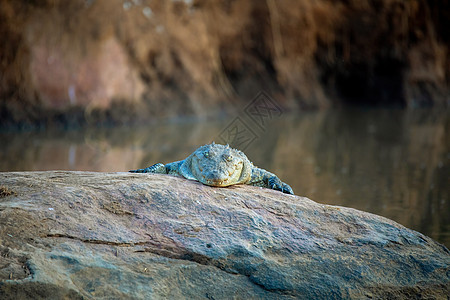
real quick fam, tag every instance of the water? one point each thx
(389, 162)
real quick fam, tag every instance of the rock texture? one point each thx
(121, 235)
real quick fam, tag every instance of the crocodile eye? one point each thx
(227, 157)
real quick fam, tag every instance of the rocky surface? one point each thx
(87, 61)
(121, 235)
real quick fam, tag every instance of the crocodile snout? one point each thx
(216, 178)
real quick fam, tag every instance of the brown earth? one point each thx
(82, 235)
(82, 61)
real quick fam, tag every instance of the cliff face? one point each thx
(168, 58)
(83, 235)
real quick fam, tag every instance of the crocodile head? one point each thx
(217, 165)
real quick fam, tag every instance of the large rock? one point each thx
(120, 235)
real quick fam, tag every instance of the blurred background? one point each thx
(361, 90)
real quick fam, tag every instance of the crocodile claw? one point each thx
(276, 184)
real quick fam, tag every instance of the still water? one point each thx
(392, 163)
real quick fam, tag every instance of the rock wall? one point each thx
(82, 235)
(129, 60)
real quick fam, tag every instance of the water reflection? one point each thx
(391, 163)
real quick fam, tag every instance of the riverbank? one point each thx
(132, 61)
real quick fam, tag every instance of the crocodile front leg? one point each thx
(156, 168)
(159, 168)
(263, 178)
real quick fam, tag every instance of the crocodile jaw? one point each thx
(219, 174)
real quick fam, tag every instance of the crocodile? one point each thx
(220, 166)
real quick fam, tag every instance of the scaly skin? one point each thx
(219, 165)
